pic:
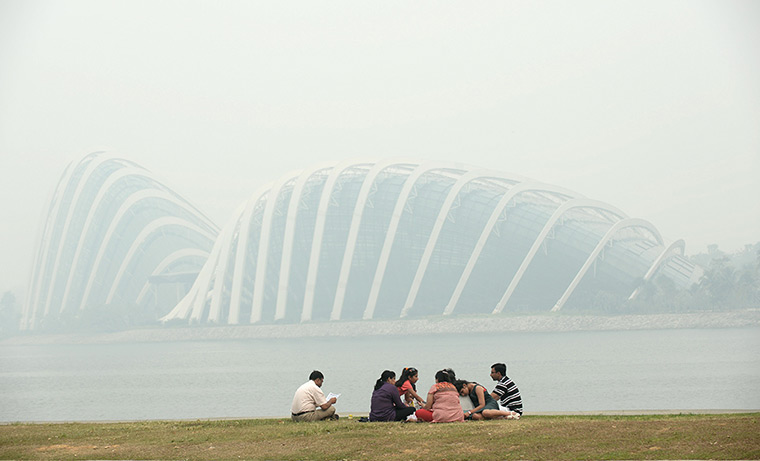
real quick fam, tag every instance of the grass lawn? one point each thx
(724, 436)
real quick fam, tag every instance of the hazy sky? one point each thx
(651, 106)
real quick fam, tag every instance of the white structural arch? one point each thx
(110, 234)
(244, 223)
(50, 227)
(488, 229)
(29, 320)
(555, 217)
(192, 304)
(453, 193)
(263, 253)
(287, 245)
(91, 167)
(353, 233)
(630, 222)
(91, 198)
(677, 247)
(390, 234)
(112, 179)
(125, 208)
(319, 229)
(418, 200)
(150, 229)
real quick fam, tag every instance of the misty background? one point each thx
(650, 106)
(653, 107)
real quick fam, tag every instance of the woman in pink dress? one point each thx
(442, 404)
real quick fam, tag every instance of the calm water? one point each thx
(580, 371)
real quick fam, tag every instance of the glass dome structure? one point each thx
(402, 239)
(113, 235)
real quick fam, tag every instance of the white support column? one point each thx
(263, 253)
(94, 163)
(316, 242)
(202, 289)
(558, 213)
(238, 270)
(287, 244)
(625, 223)
(353, 233)
(390, 234)
(31, 309)
(140, 239)
(487, 230)
(110, 234)
(124, 208)
(677, 247)
(435, 233)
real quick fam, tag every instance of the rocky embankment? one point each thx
(443, 325)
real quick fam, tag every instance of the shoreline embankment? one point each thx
(399, 327)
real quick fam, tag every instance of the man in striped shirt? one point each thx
(506, 391)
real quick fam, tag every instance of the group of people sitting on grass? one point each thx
(394, 400)
(397, 400)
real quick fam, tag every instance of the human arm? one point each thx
(430, 400)
(416, 396)
(396, 398)
(499, 391)
(319, 399)
(328, 403)
(480, 393)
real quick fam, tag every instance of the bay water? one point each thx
(677, 369)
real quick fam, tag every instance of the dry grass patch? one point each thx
(732, 436)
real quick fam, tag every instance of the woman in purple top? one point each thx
(386, 403)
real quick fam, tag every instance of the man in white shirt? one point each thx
(309, 402)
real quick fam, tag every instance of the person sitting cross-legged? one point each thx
(386, 404)
(310, 403)
(442, 404)
(506, 391)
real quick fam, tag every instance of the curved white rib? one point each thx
(56, 217)
(488, 229)
(109, 234)
(433, 239)
(238, 270)
(353, 234)
(124, 208)
(216, 273)
(29, 319)
(263, 254)
(390, 234)
(630, 222)
(319, 229)
(91, 167)
(140, 240)
(679, 247)
(287, 244)
(116, 175)
(558, 213)
(437, 228)
(192, 304)
(166, 262)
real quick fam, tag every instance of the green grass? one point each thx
(725, 436)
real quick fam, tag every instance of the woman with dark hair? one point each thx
(386, 404)
(485, 406)
(407, 388)
(442, 402)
